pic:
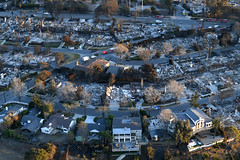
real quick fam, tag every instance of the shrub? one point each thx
(205, 155)
(147, 11)
(43, 75)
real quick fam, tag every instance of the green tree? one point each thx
(107, 137)
(194, 100)
(217, 126)
(36, 154)
(183, 132)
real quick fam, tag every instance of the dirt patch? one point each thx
(13, 150)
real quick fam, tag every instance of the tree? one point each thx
(166, 116)
(216, 126)
(67, 92)
(210, 41)
(85, 98)
(36, 154)
(236, 29)
(152, 95)
(106, 135)
(71, 7)
(51, 149)
(167, 47)
(37, 49)
(107, 7)
(18, 87)
(111, 80)
(54, 7)
(78, 92)
(151, 152)
(52, 87)
(48, 107)
(43, 75)
(144, 53)
(59, 58)
(194, 100)
(176, 89)
(40, 86)
(122, 51)
(82, 127)
(183, 132)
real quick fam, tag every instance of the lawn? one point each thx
(13, 150)
(12, 43)
(96, 48)
(51, 44)
(69, 57)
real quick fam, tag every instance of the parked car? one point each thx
(104, 52)
(86, 58)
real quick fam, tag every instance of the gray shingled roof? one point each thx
(58, 120)
(34, 125)
(33, 112)
(134, 123)
(100, 125)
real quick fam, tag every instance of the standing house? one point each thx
(31, 122)
(199, 121)
(9, 112)
(58, 121)
(126, 133)
(92, 130)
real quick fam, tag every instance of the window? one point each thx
(121, 134)
(133, 134)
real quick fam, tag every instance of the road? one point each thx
(184, 22)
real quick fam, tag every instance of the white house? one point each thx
(199, 121)
(58, 121)
(126, 133)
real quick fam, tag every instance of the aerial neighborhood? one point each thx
(120, 80)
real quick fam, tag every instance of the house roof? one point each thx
(193, 114)
(34, 125)
(100, 125)
(58, 120)
(134, 123)
(34, 112)
(113, 70)
(196, 114)
(9, 110)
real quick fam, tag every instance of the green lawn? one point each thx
(96, 48)
(51, 44)
(71, 57)
(12, 43)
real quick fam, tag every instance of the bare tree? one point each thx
(83, 130)
(236, 29)
(67, 92)
(107, 7)
(167, 47)
(18, 87)
(210, 41)
(144, 53)
(122, 51)
(85, 98)
(229, 83)
(152, 95)
(166, 116)
(176, 89)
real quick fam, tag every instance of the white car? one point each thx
(71, 48)
(93, 56)
(86, 58)
(46, 13)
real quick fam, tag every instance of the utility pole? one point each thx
(142, 7)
